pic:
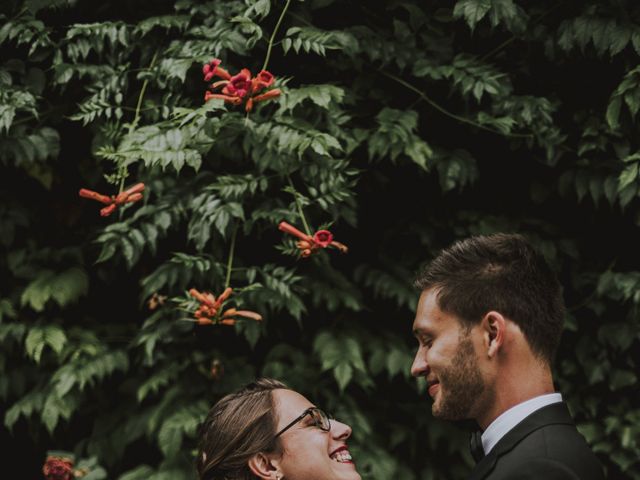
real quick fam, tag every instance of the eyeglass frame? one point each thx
(308, 411)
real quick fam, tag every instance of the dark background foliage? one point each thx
(403, 125)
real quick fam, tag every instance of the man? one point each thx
(488, 324)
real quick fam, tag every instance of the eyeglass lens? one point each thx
(320, 419)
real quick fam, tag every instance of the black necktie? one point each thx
(475, 445)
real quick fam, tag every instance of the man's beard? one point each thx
(461, 384)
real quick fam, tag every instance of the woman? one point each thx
(267, 431)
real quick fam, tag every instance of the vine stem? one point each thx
(136, 119)
(513, 37)
(299, 206)
(232, 248)
(446, 112)
(273, 35)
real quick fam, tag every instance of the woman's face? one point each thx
(310, 453)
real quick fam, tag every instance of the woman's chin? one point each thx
(347, 471)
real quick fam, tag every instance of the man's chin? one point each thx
(438, 410)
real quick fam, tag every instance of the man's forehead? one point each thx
(428, 304)
(428, 314)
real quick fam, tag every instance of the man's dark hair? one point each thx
(500, 272)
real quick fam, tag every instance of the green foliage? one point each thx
(401, 127)
(63, 288)
(157, 147)
(396, 135)
(342, 354)
(41, 336)
(606, 35)
(183, 421)
(325, 96)
(497, 11)
(628, 94)
(310, 39)
(467, 74)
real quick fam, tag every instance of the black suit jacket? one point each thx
(545, 445)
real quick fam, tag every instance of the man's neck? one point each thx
(513, 390)
(512, 417)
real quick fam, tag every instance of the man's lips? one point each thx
(433, 386)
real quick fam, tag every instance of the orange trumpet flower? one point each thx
(130, 195)
(308, 244)
(240, 88)
(208, 313)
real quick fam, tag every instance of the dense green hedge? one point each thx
(402, 126)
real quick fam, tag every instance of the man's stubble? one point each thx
(461, 384)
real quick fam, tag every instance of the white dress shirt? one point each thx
(510, 418)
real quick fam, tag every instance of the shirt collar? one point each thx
(510, 418)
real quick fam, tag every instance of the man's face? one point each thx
(447, 358)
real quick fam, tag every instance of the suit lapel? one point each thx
(556, 413)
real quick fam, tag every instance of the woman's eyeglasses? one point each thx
(319, 418)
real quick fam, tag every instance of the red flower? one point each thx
(239, 85)
(308, 244)
(291, 230)
(213, 69)
(263, 80)
(130, 195)
(227, 98)
(239, 88)
(323, 238)
(58, 468)
(261, 98)
(208, 313)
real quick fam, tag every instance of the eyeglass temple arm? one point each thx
(304, 414)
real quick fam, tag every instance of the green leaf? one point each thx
(142, 472)
(621, 379)
(628, 176)
(613, 112)
(184, 421)
(41, 336)
(6, 309)
(158, 380)
(324, 96)
(24, 407)
(472, 11)
(63, 288)
(343, 374)
(54, 409)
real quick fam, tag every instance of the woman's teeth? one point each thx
(342, 457)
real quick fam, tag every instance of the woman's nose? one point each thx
(339, 430)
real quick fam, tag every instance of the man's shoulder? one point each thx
(535, 468)
(557, 451)
(545, 444)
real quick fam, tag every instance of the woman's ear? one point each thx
(264, 467)
(494, 326)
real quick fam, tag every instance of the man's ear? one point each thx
(494, 327)
(264, 467)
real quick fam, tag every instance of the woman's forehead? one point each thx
(289, 404)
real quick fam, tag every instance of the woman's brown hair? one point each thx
(237, 427)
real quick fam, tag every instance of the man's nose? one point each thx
(420, 367)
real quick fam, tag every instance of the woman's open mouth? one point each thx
(341, 455)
